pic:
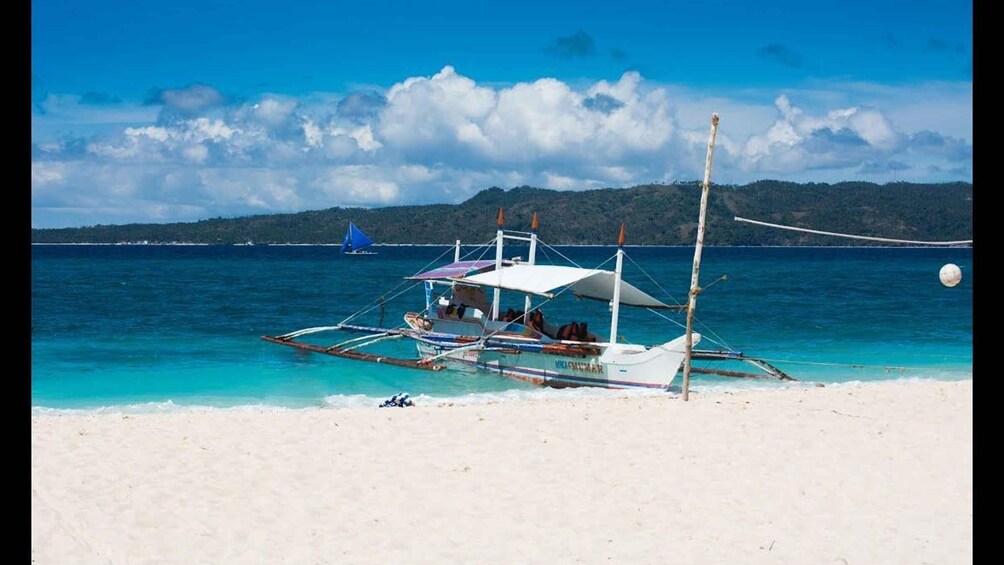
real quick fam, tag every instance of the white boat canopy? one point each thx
(542, 280)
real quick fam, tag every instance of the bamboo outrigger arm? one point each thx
(477, 345)
(768, 371)
(339, 349)
(307, 331)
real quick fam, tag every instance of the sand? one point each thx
(870, 473)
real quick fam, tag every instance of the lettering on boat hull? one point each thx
(582, 367)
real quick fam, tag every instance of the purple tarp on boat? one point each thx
(458, 269)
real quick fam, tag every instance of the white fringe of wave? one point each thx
(164, 407)
(341, 401)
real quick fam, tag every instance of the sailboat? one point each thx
(356, 242)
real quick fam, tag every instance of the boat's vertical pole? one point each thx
(533, 256)
(694, 288)
(428, 291)
(498, 266)
(615, 305)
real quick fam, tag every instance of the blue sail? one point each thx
(355, 239)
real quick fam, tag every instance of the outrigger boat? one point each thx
(463, 328)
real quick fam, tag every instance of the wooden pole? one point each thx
(498, 266)
(533, 255)
(694, 288)
(615, 304)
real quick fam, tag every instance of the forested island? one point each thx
(654, 214)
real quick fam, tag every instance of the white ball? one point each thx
(950, 275)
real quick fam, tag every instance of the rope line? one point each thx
(714, 333)
(720, 340)
(644, 272)
(721, 343)
(862, 365)
(560, 253)
(850, 236)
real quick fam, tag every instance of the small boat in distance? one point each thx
(356, 242)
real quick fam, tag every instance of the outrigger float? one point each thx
(462, 328)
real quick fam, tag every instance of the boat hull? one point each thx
(613, 366)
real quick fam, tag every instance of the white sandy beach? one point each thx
(853, 474)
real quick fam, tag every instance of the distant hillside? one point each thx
(654, 214)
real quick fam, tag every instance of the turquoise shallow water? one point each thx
(163, 327)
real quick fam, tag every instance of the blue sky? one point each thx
(146, 111)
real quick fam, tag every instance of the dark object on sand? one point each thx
(399, 400)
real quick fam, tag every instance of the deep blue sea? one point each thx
(144, 327)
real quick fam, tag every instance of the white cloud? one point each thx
(197, 153)
(450, 118)
(203, 129)
(444, 137)
(874, 128)
(944, 107)
(62, 114)
(364, 138)
(357, 184)
(312, 134)
(841, 139)
(561, 181)
(274, 111)
(155, 133)
(433, 111)
(358, 138)
(44, 173)
(188, 100)
(341, 147)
